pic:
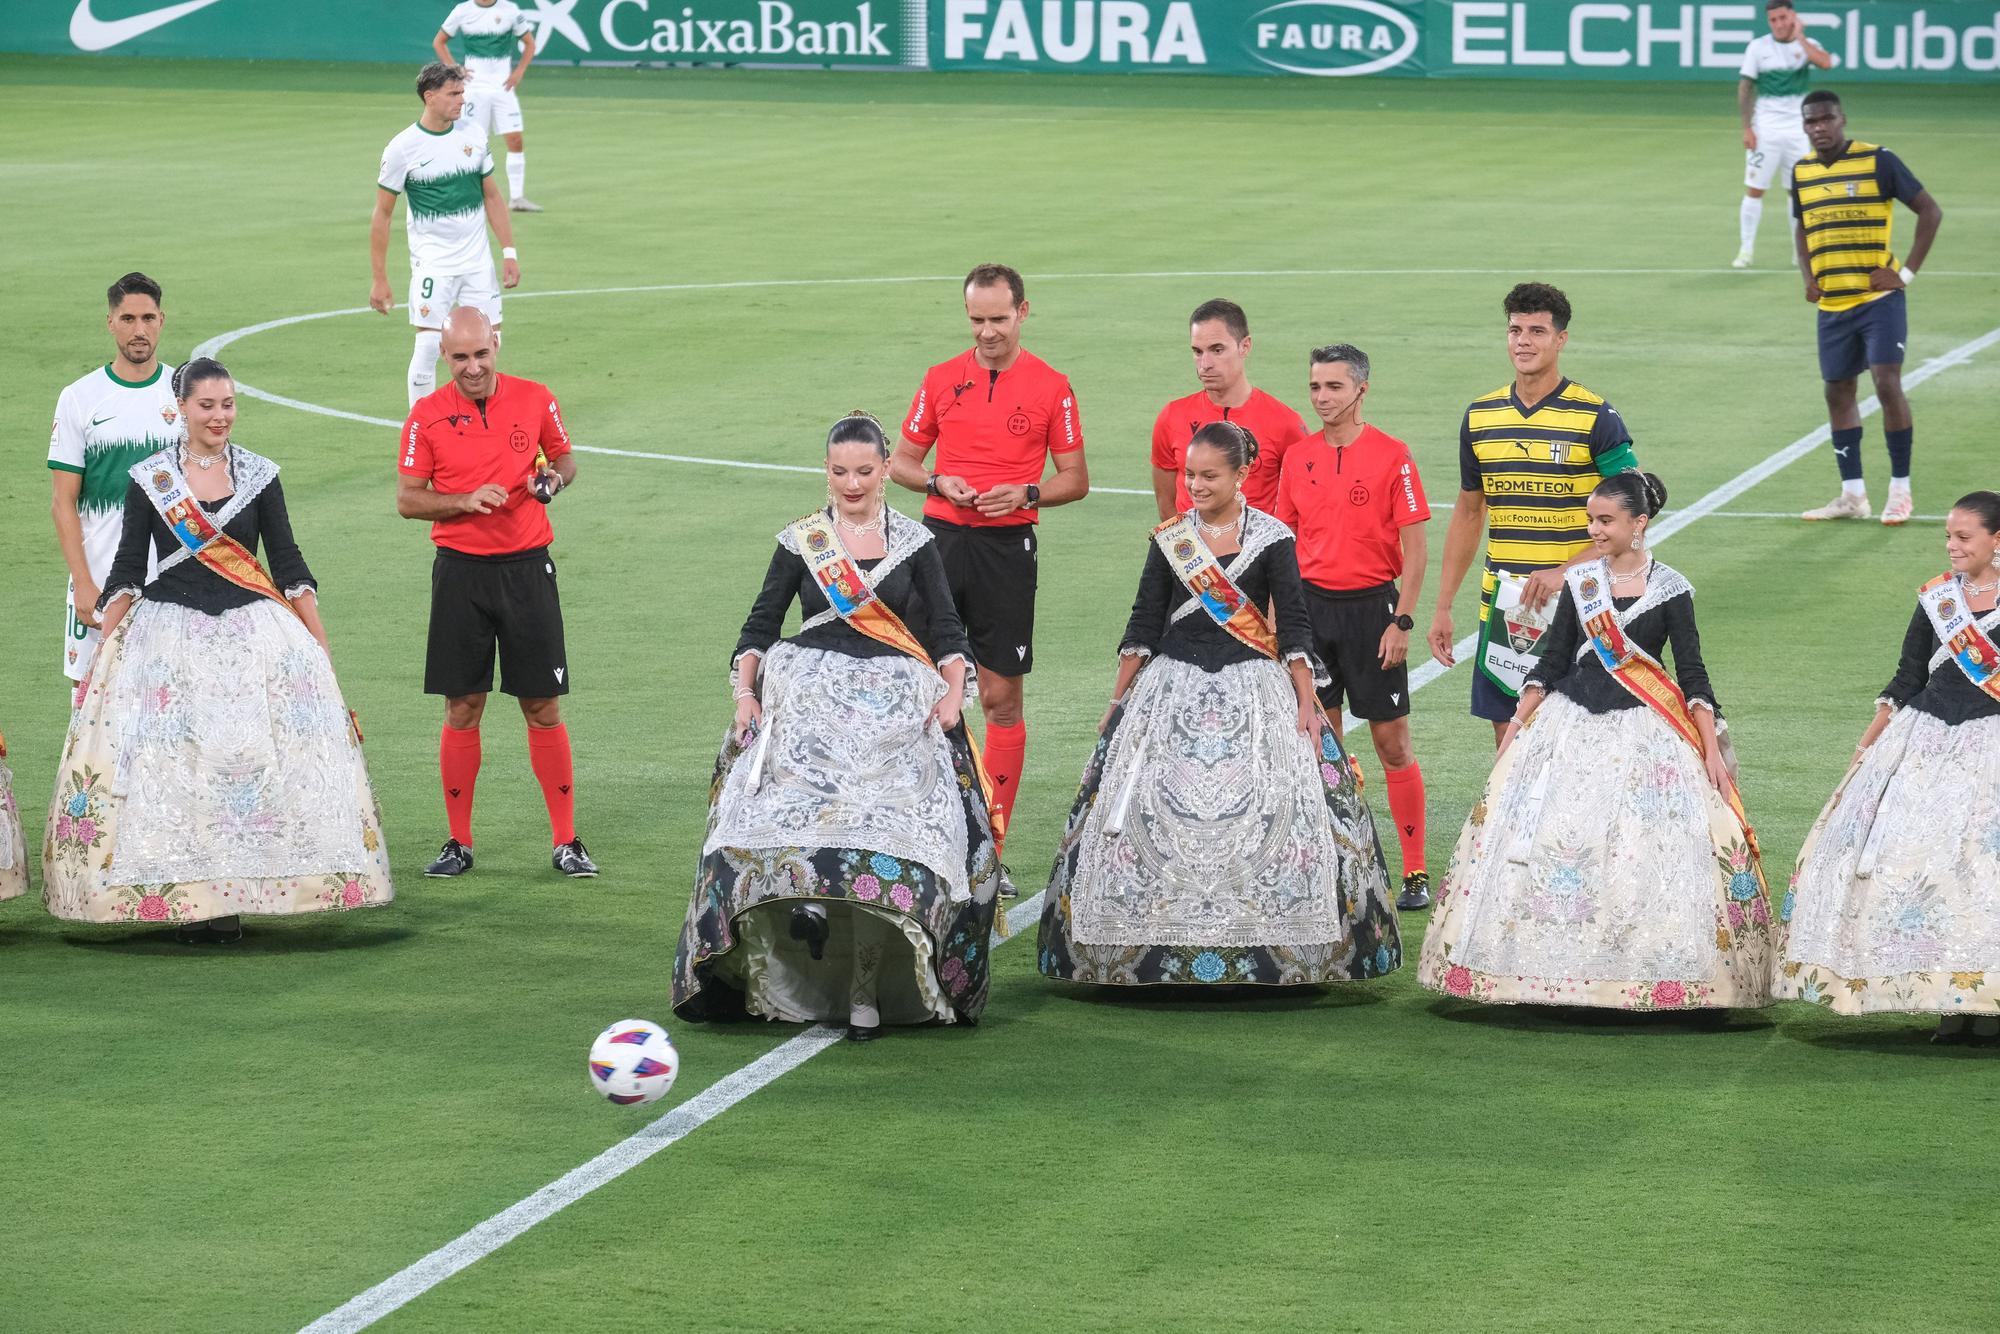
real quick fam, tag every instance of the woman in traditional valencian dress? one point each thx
(211, 769)
(1219, 836)
(1608, 863)
(848, 874)
(1895, 904)
(13, 852)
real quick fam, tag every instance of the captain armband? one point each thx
(1614, 461)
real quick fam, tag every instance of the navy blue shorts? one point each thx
(1873, 334)
(1490, 701)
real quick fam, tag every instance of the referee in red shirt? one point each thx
(481, 459)
(996, 415)
(1219, 335)
(1353, 496)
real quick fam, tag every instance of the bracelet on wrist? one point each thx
(744, 692)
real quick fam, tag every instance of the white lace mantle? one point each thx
(1260, 533)
(250, 473)
(902, 538)
(1663, 584)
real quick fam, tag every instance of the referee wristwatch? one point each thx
(1034, 499)
(1406, 623)
(930, 485)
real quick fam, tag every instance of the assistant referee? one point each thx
(481, 459)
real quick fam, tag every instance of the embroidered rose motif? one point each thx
(1458, 980)
(1743, 886)
(351, 895)
(901, 896)
(1208, 966)
(885, 866)
(953, 975)
(1736, 918)
(867, 888)
(153, 908)
(1669, 995)
(86, 832)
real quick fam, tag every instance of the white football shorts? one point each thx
(435, 295)
(494, 108)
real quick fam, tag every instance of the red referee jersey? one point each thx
(1276, 427)
(992, 428)
(461, 445)
(1349, 507)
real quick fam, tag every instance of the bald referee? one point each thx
(481, 460)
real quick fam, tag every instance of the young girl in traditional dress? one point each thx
(1218, 836)
(848, 874)
(1895, 904)
(211, 768)
(13, 852)
(1608, 863)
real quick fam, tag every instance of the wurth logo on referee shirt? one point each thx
(555, 416)
(410, 443)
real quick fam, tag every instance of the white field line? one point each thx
(419, 1278)
(407, 1285)
(1793, 514)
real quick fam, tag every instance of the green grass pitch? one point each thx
(244, 1139)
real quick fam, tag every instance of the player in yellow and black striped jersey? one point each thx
(1844, 197)
(1530, 454)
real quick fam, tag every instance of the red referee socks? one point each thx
(458, 765)
(1005, 754)
(1406, 808)
(548, 755)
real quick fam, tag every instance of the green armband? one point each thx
(1614, 461)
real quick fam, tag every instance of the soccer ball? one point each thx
(633, 1062)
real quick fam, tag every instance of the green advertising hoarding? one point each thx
(1567, 39)
(1956, 41)
(751, 32)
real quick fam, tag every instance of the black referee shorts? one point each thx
(992, 576)
(1347, 631)
(482, 602)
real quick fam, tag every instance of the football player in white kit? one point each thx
(1770, 89)
(490, 31)
(442, 168)
(113, 417)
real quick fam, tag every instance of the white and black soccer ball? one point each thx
(633, 1061)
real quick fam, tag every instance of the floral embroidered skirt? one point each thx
(860, 806)
(211, 770)
(1208, 844)
(13, 850)
(1895, 904)
(1601, 868)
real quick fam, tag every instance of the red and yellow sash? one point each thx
(166, 487)
(1202, 575)
(1642, 675)
(1957, 628)
(854, 600)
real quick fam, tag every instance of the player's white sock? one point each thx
(517, 175)
(424, 364)
(1856, 487)
(1751, 215)
(1899, 486)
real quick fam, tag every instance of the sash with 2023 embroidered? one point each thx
(165, 485)
(854, 600)
(1957, 628)
(1642, 675)
(1203, 577)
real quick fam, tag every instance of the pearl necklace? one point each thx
(202, 461)
(1979, 589)
(1639, 573)
(1235, 525)
(873, 525)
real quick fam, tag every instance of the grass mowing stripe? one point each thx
(406, 1286)
(400, 1289)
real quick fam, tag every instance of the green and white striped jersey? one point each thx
(441, 176)
(1782, 74)
(103, 426)
(490, 35)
